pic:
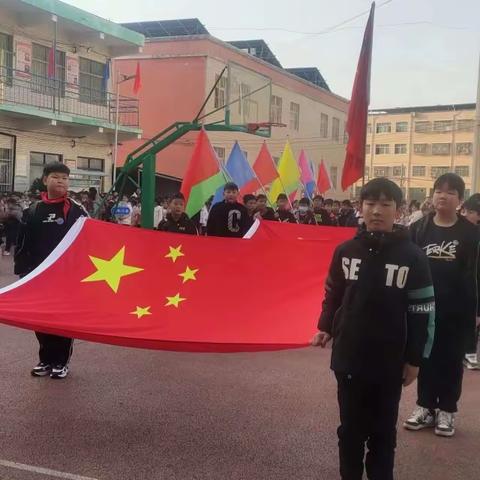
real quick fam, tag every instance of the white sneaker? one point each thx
(471, 361)
(445, 424)
(6, 253)
(420, 418)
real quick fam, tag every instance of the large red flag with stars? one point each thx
(126, 286)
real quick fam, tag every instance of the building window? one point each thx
(345, 133)
(435, 172)
(401, 127)
(220, 151)
(95, 164)
(419, 194)
(441, 148)
(276, 109)
(418, 171)
(91, 82)
(220, 90)
(6, 169)
(369, 128)
(333, 176)
(381, 171)
(400, 148)
(382, 149)
(464, 148)
(367, 171)
(422, 127)
(398, 171)
(294, 116)
(367, 149)
(463, 170)
(38, 161)
(465, 125)
(420, 148)
(40, 81)
(442, 125)
(324, 125)
(335, 129)
(384, 127)
(6, 58)
(245, 101)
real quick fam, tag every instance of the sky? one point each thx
(426, 52)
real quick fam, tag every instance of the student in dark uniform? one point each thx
(44, 224)
(250, 202)
(283, 214)
(304, 214)
(379, 310)
(176, 220)
(267, 213)
(451, 245)
(228, 218)
(321, 215)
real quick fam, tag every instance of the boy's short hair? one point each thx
(282, 196)
(453, 181)
(347, 203)
(177, 196)
(336, 202)
(249, 197)
(328, 201)
(304, 201)
(230, 186)
(318, 197)
(377, 187)
(473, 203)
(55, 167)
(261, 196)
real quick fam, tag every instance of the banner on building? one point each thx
(23, 65)
(73, 71)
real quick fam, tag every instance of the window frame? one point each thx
(335, 129)
(323, 125)
(83, 75)
(437, 150)
(396, 150)
(276, 109)
(383, 127)
(401, 123)
(294, 116)
(377, 149)
(89, 168)
(423, 170)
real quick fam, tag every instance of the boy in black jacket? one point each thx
(379, 310)
(267, 213)
(228, 218)
(283, 214)
(44, 224)
(451, 245)
(177, 221)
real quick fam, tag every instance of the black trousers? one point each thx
(368, 414)
(11, 234)
(54, 350)
(440, 378)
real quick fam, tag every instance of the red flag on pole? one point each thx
(138, 80)
(323, 181)
(354, 166)
(264, 169)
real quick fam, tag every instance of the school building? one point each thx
(60, 108)
(415, 145)
(179, 65)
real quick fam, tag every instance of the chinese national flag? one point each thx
(264, 169)
(354, 166)
(141, 288)
(138, 80)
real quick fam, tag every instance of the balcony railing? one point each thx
(20, 88)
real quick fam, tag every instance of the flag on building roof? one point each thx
(238, 170)
(354, 166)
(203, 175)
(288, 180)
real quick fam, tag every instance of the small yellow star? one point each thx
(141, 312)
(188, 274)
(174, 301)
(111, 271)
(175, 253)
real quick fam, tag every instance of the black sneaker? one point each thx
(59, 372)
(41, 370)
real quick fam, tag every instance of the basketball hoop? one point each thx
(255, 127)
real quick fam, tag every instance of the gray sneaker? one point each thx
(420, 418)
(445, 424)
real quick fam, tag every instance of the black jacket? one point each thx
(269, 214)
(228, 220)
(379, 304)
(42, 228)
(182, 225)
(347, 218)
(286, 216)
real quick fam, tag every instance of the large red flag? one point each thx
(354, 166)
(149, 289)
(138, 80)
(323, 181)
(264, 169)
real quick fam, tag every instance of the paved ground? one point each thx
(127, 414)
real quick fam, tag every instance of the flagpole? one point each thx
(55, 86)
(117, 108)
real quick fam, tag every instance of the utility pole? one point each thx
(476, 141)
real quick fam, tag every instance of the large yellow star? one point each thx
(174, 301)
(141, 312)
(175, 253)
(111, 271)
(188, 274)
